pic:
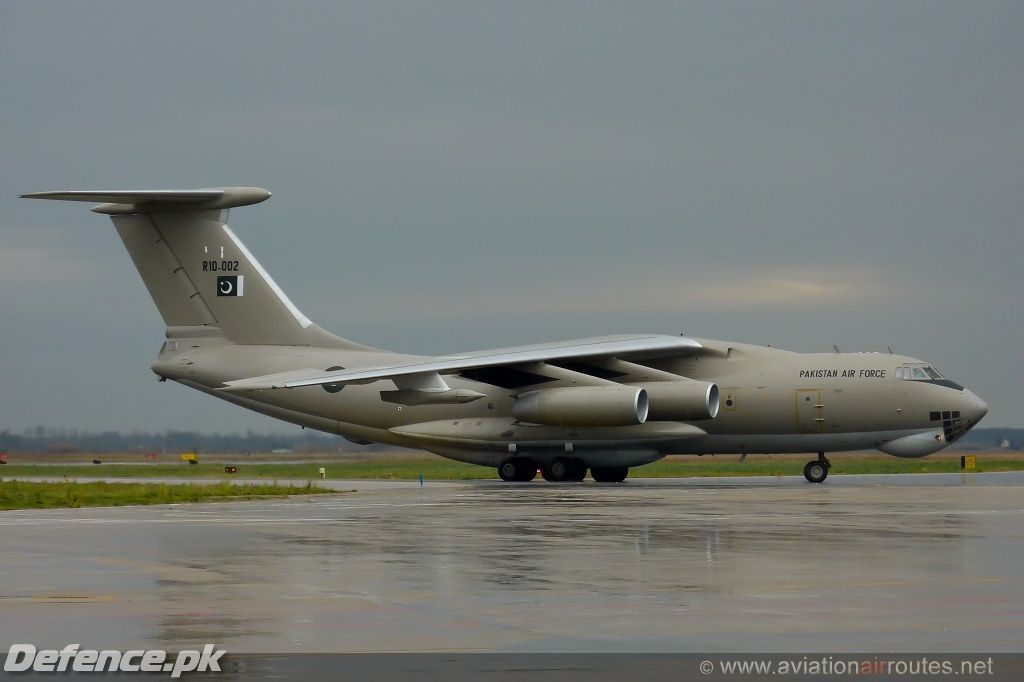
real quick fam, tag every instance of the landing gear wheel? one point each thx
(564, 469)
(579, 471)
(517, 469)
(609, 474)
(816, 470)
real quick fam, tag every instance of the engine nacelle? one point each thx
(681, 401)
(583, 406)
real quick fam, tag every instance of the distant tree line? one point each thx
(992, 439)
(42, 439)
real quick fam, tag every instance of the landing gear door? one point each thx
(810, 410)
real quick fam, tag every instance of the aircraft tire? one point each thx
(517, 469)
(561, 469)
(529, 471)
(579, 470)
(609, 474)
(815, 471)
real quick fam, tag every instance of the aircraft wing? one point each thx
(637, 347)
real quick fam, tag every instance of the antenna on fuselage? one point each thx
(836, 348)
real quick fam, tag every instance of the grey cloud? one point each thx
(455, 175)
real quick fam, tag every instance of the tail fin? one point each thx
(199, 274)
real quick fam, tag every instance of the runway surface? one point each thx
(860, 563)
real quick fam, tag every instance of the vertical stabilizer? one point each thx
(200, 275)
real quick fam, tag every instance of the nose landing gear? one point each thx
(816, 470)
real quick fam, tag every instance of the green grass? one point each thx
(437, 468)
(405, 468)
(761, 465)
(48, 495)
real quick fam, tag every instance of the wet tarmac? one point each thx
(861, 563)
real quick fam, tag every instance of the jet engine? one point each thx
(583, 406)
(681, 401)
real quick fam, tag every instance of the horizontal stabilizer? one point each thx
(628, 346)
(144, 201)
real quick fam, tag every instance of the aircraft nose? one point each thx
(974, 408)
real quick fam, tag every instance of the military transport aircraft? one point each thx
(604, 404)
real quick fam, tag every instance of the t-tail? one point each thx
(201, 277)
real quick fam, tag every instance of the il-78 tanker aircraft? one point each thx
(604, 404)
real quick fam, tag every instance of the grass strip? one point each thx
(437, 468)
(49, 495)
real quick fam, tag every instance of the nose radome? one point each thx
(974, 408)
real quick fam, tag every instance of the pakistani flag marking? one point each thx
(230, 285)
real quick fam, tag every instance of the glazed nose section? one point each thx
(973, 408)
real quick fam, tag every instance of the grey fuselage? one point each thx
(771, 400)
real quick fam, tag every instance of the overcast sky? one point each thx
(453, 176)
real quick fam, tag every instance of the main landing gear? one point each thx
(561, 469)
(816, 470)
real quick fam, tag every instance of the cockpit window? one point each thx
(918, 372)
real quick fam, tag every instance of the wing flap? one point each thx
(630, 346)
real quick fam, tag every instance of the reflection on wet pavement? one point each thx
(861, 563)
